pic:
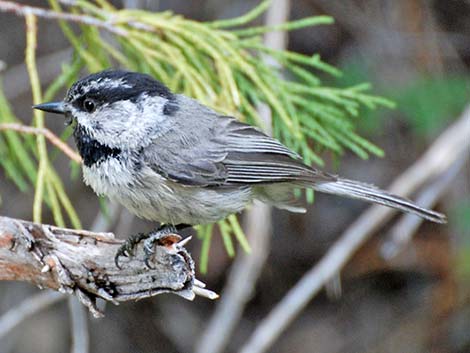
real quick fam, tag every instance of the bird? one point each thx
(170, 159)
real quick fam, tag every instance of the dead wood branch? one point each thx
(82, 263)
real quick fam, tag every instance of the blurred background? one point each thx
(416, 53)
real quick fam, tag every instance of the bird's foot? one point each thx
(127, 249)
(150, 239)
(153, 238)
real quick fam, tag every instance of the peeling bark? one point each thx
(82, 263)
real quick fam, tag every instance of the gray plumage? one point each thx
(168, 158)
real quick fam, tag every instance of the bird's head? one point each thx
(118, 109)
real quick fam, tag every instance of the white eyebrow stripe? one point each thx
(100, 83)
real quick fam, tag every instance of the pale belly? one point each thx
(153, 197)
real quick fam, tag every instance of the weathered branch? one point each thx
(82, 263)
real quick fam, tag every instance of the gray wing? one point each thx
(221, 151)
(254, 157)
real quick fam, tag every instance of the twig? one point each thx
(82, 263)
(247, 267)
(48, 134)
(126, 219)
(30, 60)
(437, 159)
(79, 320)
(403, 230)
(181, 324)
(240, 283)
(103, 221)
(109, 25)
(23, 10)
(79, 323)
(26, 309)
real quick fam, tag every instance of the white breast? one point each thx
(109, 176)
(149, 195)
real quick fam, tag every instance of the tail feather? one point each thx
(370, 193)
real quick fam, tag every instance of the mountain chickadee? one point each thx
(168, 158)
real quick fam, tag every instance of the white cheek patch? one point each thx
(130, 115)
(83, 119)
(125, 124)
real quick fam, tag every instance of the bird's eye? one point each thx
(89, 105)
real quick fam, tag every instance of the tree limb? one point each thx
(27, 308)
(79, 325)
(82, 263)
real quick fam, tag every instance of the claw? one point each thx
(117, 256)
(148, 253)
(148, 246)
(147, 263)
(127, 249)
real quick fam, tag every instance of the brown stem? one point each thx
(82, 263)
(23, 10)
(48, 134)
(109, 25)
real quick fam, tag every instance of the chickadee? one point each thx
(168, 158)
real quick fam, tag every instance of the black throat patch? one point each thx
(90, 149)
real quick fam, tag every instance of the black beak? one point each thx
(51, 107)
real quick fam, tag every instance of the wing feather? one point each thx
(221, 151)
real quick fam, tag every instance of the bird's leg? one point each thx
(154, 236)
(127, 249)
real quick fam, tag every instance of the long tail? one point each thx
(370, 193)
